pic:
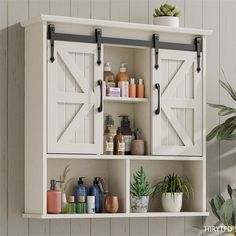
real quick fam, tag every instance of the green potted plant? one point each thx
(167, 15)
(140, 191)
(225, 131)
(225, 209)
(172, 188)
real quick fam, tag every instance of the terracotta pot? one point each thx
(111, 204)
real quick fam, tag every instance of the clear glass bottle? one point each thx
(108, 143)
(108, 76)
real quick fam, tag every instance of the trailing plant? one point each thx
(141, 186)
(166, 10)
(63, 178)
(225, 210)
(174, 184)
(225, 131)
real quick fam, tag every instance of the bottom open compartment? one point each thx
(113, 173)
(157, 170)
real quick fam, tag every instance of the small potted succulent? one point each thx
(140, 190)
(172, 189)
(167, 15)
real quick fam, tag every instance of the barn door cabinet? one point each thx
(65, 107)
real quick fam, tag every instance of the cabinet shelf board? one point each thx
(120, 157)
(117, 215)
(125, 100)
(168, 214)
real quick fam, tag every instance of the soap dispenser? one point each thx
(95, 190)
(80, 189)
(54, 198)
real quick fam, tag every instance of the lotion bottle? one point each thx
(53, 198)
(95, 191)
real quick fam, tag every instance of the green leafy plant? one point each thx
(166, 10)
(141, 186)
(225, 210)
(225, 131)
(175, 184)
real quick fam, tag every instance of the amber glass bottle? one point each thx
(119, 143)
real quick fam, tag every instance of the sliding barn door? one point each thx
(177, 87)
(74, 123)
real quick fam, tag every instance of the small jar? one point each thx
(81, 207)
(71, 207)
(140, 89)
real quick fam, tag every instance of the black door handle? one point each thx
(101, 92)
(157, 87)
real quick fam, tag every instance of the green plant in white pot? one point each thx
(140, 191)
(172, 189)
(167, 15)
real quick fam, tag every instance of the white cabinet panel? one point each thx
(74, 123)
(177, 129)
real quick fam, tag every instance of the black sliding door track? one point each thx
(98, 39)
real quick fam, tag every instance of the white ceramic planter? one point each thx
(139, 204)
(171, 21)
(172, 203)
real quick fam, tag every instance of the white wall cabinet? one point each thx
(64, 109)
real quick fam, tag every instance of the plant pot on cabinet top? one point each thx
(171, 21)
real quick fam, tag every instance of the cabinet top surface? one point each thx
(114, 24)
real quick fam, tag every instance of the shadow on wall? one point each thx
(3, 131)
(16, 83)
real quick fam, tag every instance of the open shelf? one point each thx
(125, 100)
(127, 157)
(156, 170)
(113, 173)
(117, 215)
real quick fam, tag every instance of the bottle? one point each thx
(108, 143)
(132, 88)
(95, 191)
(119, 143)
(80, 189)
(126, 131)
(140, 89)
(122, 75)
(90, 204)
(109, 124)
(71, 207)
(108, 76)
(81, 206)
(53, 198)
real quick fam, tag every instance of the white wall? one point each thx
(218, 15)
